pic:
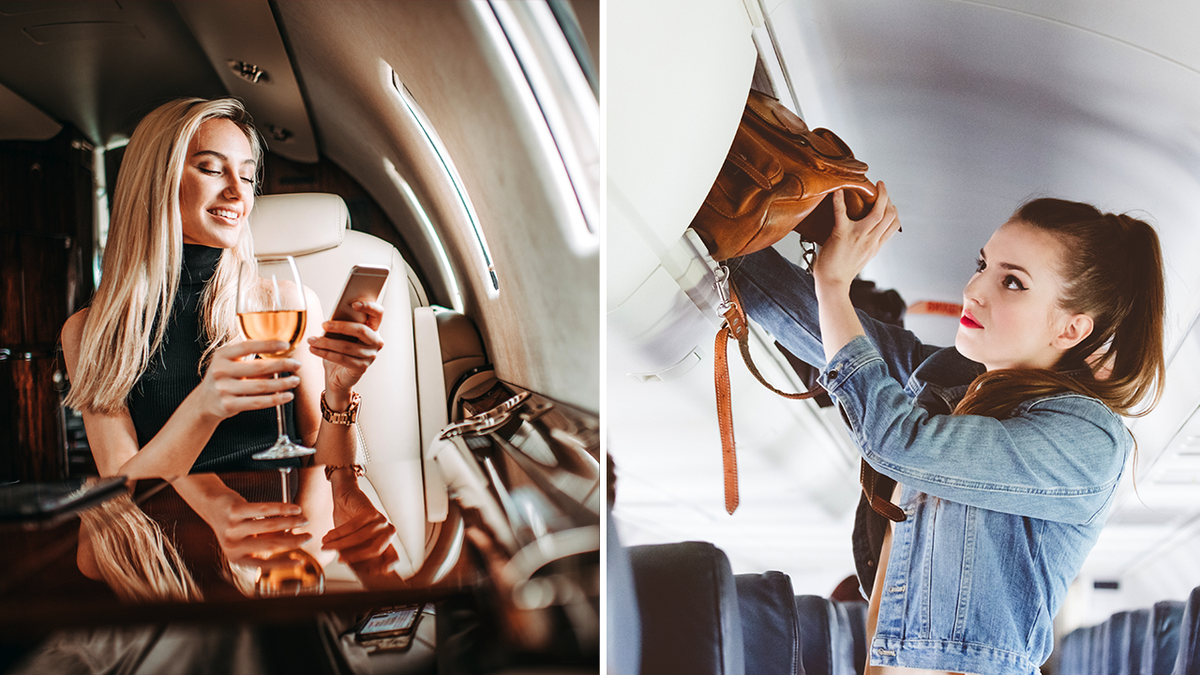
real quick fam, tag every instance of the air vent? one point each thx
(83, 31)
(249, 72)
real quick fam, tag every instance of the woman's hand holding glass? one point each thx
(247, 532)
(271, 305)
(235, 383)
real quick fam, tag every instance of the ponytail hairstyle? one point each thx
(1113, 272)
(143, 260)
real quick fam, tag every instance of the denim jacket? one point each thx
(1000, 513)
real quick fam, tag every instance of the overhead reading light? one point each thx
(279, 133)
(249, 72)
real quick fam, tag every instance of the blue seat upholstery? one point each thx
(1112, 653)
(1099, 652)
(856, 612)
(689, 610)
(826, 639)
(1133, 642)
(770, 628)
(1073, 652)
(1188, 660)
(1162, 638)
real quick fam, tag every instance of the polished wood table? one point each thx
(512, 577)
(42, 587)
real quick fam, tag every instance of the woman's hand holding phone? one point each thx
(345, 362)
(351, 341)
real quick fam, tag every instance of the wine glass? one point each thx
(294, 572)
(271, 306)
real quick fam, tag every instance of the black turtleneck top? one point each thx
(172, 375)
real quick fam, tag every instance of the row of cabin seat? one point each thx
(678, 608)
(1162, 640)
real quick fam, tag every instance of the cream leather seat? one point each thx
(315, 229)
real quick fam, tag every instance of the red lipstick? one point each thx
(969, 321)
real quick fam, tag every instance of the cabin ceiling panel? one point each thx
(101, 66)
(243, 45)
(967, 109)
(544, 333)
(1165, 28)
(21, 120)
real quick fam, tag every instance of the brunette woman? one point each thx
(1007, 449)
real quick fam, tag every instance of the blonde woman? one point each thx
(157, 365)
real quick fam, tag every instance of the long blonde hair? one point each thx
(143, 259)
(134, 556)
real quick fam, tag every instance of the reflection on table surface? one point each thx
(160, 542)
(511, 570)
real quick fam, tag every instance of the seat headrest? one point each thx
(298, 224)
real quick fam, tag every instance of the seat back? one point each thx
(1162, 638)
(1112, 652)
(1188, 660)
(314, 229)
(770, 627)
(856, 612)
(1133, 642)
(689, 610)
(826, 640)
(1073, 651)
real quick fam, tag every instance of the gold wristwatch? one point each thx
(358, 469)
(346, 418)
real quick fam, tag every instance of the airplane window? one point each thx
(568, 21)
(558, 78)
(435, 142)
(419, 211)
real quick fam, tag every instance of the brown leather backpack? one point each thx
(776, 178)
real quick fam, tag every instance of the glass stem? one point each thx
(279, 418)
(283, 482)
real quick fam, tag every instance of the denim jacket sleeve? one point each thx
(782, 298)
(1056, 458)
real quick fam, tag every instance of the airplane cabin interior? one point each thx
(525, 175)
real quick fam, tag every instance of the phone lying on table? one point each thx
(365, 284)
(389, 628)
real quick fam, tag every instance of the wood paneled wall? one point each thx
(45, 275)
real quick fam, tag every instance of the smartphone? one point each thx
(389, 628)
(365, 284)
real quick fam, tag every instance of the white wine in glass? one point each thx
(283, 325)
(271, 306)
